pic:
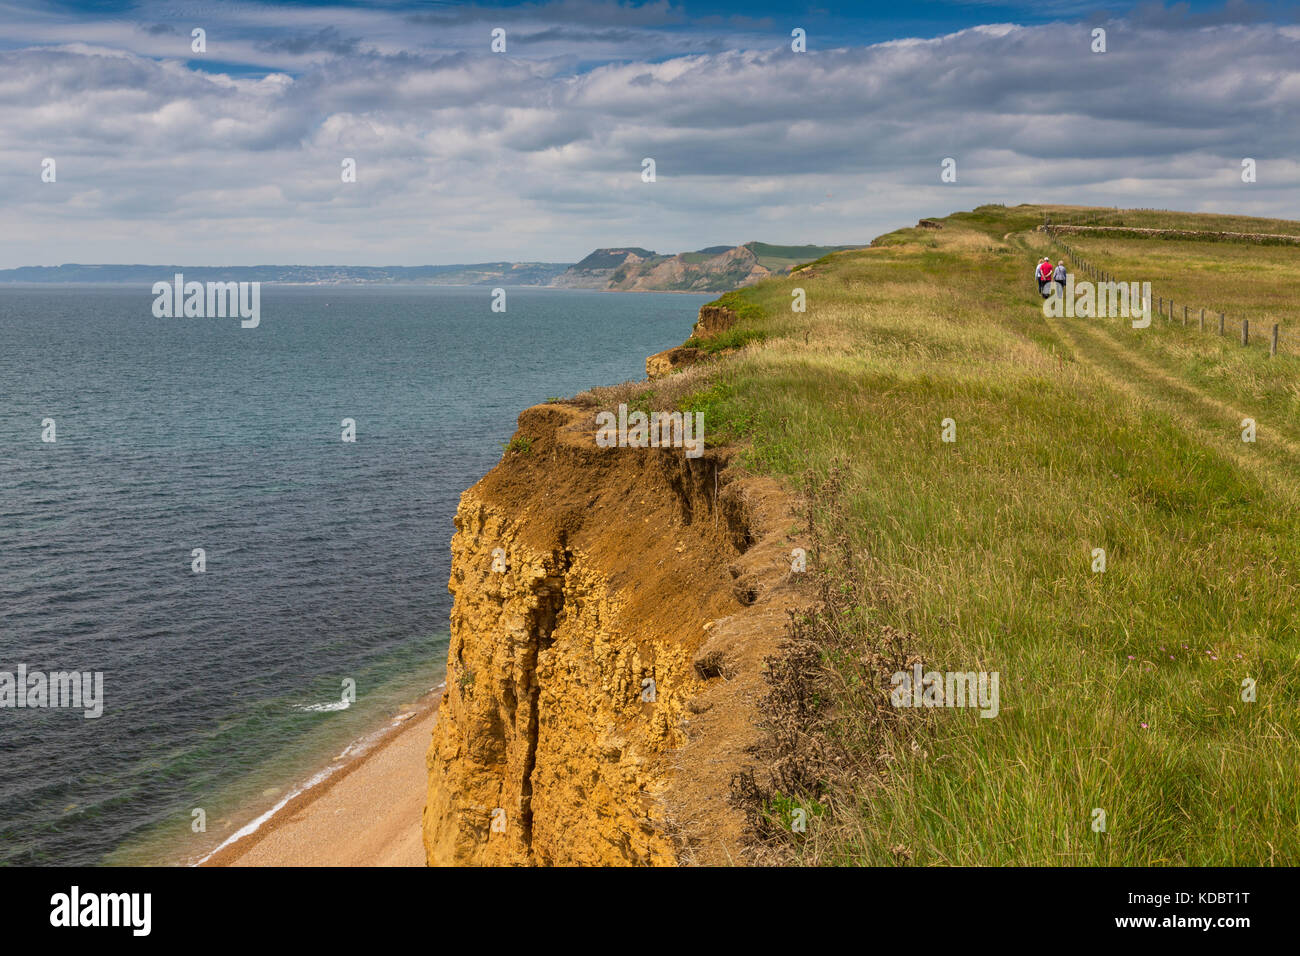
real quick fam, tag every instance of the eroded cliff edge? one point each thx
(580, 575)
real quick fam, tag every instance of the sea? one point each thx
(181, 513)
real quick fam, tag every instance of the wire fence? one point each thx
(1164, 306)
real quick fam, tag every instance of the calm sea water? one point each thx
(325, 560)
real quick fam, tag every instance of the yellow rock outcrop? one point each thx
(583, 580)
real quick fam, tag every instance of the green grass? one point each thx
(723, 341)
(746, 329)
(1119, 691)
(1172, 219)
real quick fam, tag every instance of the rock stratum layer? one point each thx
(612, 610)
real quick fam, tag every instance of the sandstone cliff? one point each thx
(613, 607)
(713, 320)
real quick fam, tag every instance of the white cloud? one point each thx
(466, 156)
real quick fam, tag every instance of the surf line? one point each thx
(350, 754)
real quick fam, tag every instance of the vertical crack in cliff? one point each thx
(542, 624)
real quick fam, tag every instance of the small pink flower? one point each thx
(1144, 726)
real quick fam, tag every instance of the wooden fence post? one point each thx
(1184, 316)
(1245, 331)
(1220, 323)
(1202, 320)
(1272, 347)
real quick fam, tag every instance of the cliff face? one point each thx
(595, 590)
(598, 269)
(726, 270)
(716, 269)
(713, 320)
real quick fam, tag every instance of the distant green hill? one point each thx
(613, 258)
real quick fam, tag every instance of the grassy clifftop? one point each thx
(1120, 691)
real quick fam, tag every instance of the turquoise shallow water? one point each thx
(325, 560)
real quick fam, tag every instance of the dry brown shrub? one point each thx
(827, 711)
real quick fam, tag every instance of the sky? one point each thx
(234, 154)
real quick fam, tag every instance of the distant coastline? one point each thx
(103, 283)
(620, 269)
